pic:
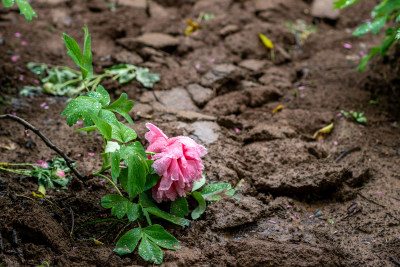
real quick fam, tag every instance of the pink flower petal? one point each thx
(36, 81)
(90, 154)
(271, 221)
(197, 66)
(212, 60)
(61, 173)
(335, 143)
(17, 34)
(79, 122)
(236, 130)
(14, 58)
(301, 87)
(23, 43)
(46, 107)
(21, 77)
(43, 104)
(347, 46)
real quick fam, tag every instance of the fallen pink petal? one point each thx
(43, 104)
(347, 46)
(21, 77)
(36, 81)
(236, 130)
(17, 34)
(271, 221)
(301, 87)
(79, 122)
(46, 107)
(24, 43)
(61, 173)
(90, 154)
(14, 58)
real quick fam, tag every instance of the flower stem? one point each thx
(110, 181)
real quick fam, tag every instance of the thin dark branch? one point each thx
(46, 141)
(347, 152)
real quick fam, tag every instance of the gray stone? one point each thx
(253, 64)
(261, 95)
(265, 132)
(190, 116)
(206, 132)
(175, 99)
(140, 4)
(323, 9)
(157, 40)
(218, 74)
(199, 94)
(128, 57)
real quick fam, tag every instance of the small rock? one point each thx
(253, 64)
(199, 94)
(276, 77)
(219, 75)
(228, 29)
(206, 132)
(175, 99)
(323, 9)
(262, 5)
(140, 4)
(263, 94)
(157, 40)
(230, 103)
(128, 57)
(264, 132)
(190, 116)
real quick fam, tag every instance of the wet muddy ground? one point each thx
(303, 202)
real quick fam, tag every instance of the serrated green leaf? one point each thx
(26, 9)
(136, 175)
(8, 3)
(133, 211)
(115, 161)
(74, 51)
(104, 127)
(146, 201)
(135, 148)
(166, 216)
(119, 210)
(146, 78)
(151, 180)
(162, 238)
(112, 147)
(213, 189)
(110, 201)
(80, 108)
(128, 242)
(149, 251)
(199, 184)
(180, 207)
(373, 26)
(231, 192)
(344, 3)
(386, 44)
(101, 95)
(87, 66)
(374, 51)
(201, 208)
(384, 8)
(123, 133)
(122, 106)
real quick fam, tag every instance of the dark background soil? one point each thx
(218, 86)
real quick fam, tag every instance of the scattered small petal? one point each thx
(61, 173)
(102, 181)
(90, 154)
(379, 193)
(212, 60)
(28, 134)
(79, 122)
(13, 113)
(339, 115)
(271, 221)
(78, 155)
(312, 215)
(296, 217)
(24, 43)
(21, 77)
(90, 187)
(289, 206)
(14, 58)
(122, 163)
(347, 46)
(197, 66)
(74, 248)
(43, 104)
(46, 107)
(335, 143)
(17, 34)
(42, 164)
(301, 87)
(236, 130)
(36, 81)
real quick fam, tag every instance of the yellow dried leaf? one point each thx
(37, 195)
(267, 42)
(278, 108)
(192, 27)
(42, 189)
(97, 242)
(325, 130)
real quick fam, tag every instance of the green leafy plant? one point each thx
(386, 11)
(24, 8)
(51, 174)
(357, 116)
(129, 167)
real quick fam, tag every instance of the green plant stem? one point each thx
(123, 228)
(17, 164)
(110, 181)
(101, 170)
(14, 171)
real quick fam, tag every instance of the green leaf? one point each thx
(8, 3)
(122, 107)
(373, 26)
(213, 189)
(344, 3)
(146, 214)
(25, 9)
(112, 147)
(201, 208)
(180, 207)
(128, 242)
(146, 201)
(106, 160)
(110, 201)
(87, 67)
(151, 180)
(115, 161)
(133, 211)
(74, 51)
(104, 128)
(166, 216)
(374, 51)
(136, 175)
(120, 209)
(149, 251)
(80, 108)
(123, 133)
(199, 184)
(231, 192)
(162, 238)
(101, 95)
(135, 148)
(146, 78)
(386, 7)
(386, 44)
(124, 73)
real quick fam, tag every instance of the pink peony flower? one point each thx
(178, 162)
(42, 164)
(61, 173)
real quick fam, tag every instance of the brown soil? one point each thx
(285, 176)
